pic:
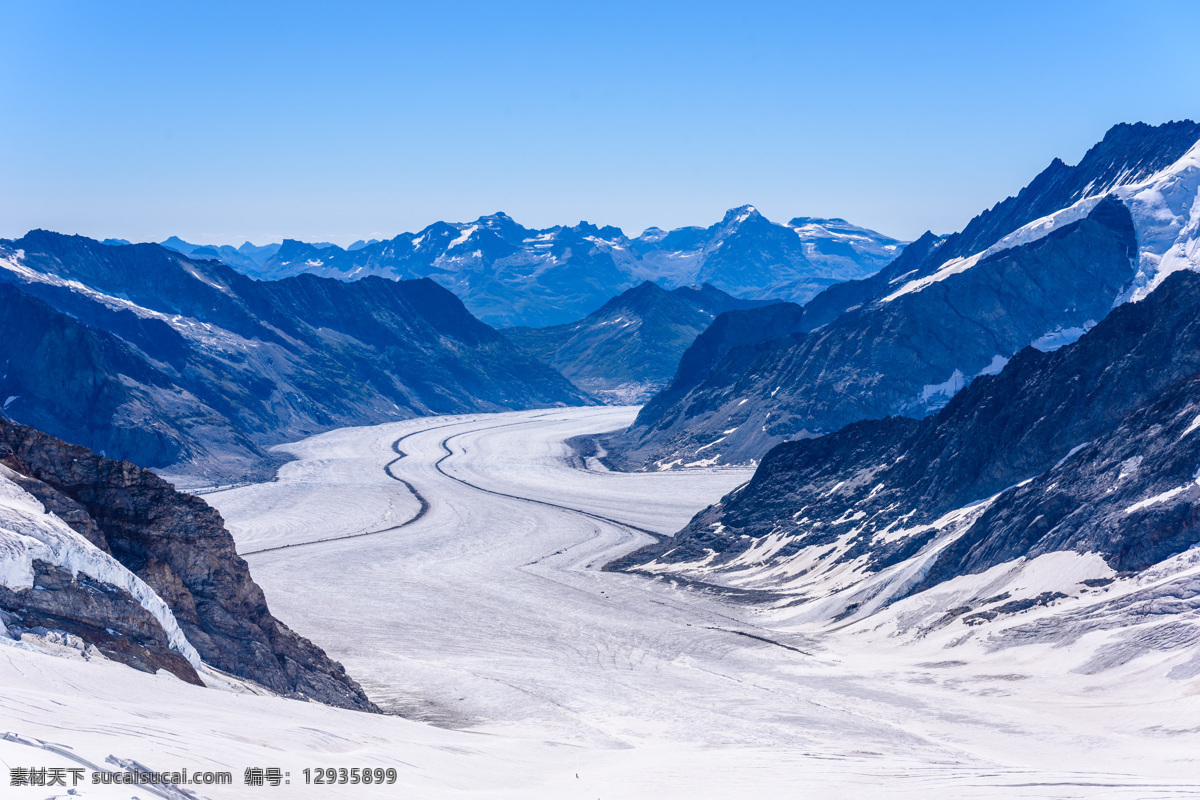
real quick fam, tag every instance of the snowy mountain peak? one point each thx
(1161, 202)
(493, 219)
(736, 216)
(1088, 237)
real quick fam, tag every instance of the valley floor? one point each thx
(475, 606)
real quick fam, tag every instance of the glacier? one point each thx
(524, 669)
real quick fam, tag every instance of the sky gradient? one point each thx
(221, 123)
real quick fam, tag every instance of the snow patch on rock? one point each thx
(28, 533)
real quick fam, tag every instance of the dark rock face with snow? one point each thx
(630, 347)
(907, 355)
(1038, 268)
(98, 613)
(508, 275)
(1090, 449)
(179, 547)
(191, 367)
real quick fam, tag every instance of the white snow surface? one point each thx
(952, 267)
(1061, 337)
(547, 677)
(462, 236)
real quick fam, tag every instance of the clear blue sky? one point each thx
(221, 122)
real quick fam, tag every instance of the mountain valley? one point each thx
(628, 349)
(890, 513)
(193, 369)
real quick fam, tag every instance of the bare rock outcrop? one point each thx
(179, 546)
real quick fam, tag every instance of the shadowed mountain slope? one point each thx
(1038, 268)
(190, 367)
(630, 347)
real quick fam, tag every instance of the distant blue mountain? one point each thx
(509, 275)
(248, 258)
(630, 347)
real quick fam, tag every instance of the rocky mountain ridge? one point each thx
(1067, 474)
(509, 275)
(192, 368)
(945, 311)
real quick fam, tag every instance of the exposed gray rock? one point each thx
(1092, 448)
(178, 545)
(101, 615)
(906, 356)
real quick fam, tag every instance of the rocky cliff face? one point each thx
(630, 347)
(1090, 450)
(60, 605)
(1038, 268)
(192, 368)
(179, 547)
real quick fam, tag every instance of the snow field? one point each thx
(490, 617)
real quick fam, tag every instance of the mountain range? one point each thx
(994, 437)
(1037, 269)
(247, 258)
(509, 275)
(192, 368)
(1068, 479)
(629, 348)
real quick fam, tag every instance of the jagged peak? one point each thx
(736, 216)
(646, 287)
(1133, 135)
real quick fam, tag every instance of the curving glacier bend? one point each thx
(453, 565)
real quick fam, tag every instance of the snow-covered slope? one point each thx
(111, 557)
(1051, 500)
(493, 612)
(551, 677)
(1165, 214)
(906, 339)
